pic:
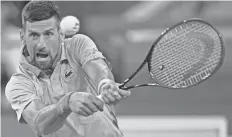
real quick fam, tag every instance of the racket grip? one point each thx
(121, 86)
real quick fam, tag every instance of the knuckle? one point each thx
(119, 97)
(78, 104)
(112, 100)
(79, 111)
(81, 107)
(94, 110)
(102, 102)
(105, 100)
(91, 113)
(84, 114)
(85, 104)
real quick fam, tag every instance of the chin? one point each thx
(43, 66)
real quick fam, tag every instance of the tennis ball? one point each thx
(70, 25)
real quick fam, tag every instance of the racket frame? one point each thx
(147, 59)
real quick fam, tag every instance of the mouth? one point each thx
(41, 55)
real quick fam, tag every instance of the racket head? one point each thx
(186, 54)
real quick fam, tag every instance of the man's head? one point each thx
(41, 33)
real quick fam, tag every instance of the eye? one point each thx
(34, 35)
(48, 34)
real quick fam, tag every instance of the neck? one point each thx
(57, 58)
(47, 72)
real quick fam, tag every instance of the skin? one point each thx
(43, 38)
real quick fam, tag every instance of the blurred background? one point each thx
(124, 32)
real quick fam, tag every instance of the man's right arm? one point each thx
(21, 94)
(43, 119)
(46, 119)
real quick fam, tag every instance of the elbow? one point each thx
(46, 130)
(49, 130)
(41, 129)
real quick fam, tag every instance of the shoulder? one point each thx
(78, 45)
(19, 82)
(79, 40)
(81, 37)
(19, 78)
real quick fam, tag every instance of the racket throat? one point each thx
(141, 85)
(122, 85)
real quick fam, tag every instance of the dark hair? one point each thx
(40, 10)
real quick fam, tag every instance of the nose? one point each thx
(41, 43)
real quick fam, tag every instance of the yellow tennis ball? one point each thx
(70, 25)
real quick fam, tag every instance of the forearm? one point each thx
(98, 70)
(51, 118)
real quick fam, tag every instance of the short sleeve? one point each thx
(20, 92)
(86, 49)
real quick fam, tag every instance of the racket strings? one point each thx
(186, 55)
(215, 56)
(176, 53)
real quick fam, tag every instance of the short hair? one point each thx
(38, 10)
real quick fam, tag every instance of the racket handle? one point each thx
(121, 86)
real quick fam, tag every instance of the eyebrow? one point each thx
(31, 31)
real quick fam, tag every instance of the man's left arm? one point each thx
(98, 70)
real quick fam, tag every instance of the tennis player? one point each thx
(50, 92)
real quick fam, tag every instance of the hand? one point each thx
(111, 94)
(85, 104)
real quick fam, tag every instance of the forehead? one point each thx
(43, 25)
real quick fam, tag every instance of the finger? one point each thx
(85, 109)
(105, 100)
(126, 93)
(109, 102)
(91, 106)
(110, 97)
(98, 103)
(105, 86)
(114, 87)
(83, 113)
(116, 95)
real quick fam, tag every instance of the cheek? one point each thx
(30, 47)
(54, 46)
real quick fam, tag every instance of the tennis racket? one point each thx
(183, 56)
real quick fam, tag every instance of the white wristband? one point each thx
(103, 81)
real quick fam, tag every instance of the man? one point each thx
(51, 91)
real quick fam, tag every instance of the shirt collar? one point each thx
(27, 64)
(63, 58)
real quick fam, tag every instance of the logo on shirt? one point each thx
(68, 73)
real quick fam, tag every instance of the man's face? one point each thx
(42, 39)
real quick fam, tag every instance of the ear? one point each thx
(22, 33)
(62, 35)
